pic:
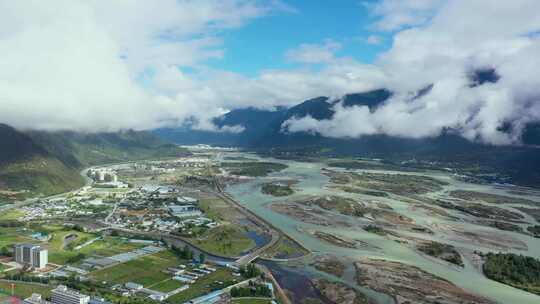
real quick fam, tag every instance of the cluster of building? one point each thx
(185, 207)
(190, 277)
(157, 207)
(192, 162)
(61, 207)
(171, 166)
(102, 262)
(106, 177)
(31, 255)
(103, 175)
(62, 295)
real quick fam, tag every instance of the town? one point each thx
(146, 231)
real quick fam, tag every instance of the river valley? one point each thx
(407, 215)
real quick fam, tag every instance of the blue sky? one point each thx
(160, 63)
(262, 43)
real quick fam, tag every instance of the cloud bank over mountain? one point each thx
(89, 65)
(462, 38)
(100, 65)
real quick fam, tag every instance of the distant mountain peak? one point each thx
(372, 99)
(481, 76)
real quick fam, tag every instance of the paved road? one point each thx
(267, 227)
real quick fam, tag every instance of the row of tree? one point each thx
(250, 271)
(186, 253)
(253, 290)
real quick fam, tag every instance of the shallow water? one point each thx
(312, 182)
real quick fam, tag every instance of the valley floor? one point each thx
(366, 234)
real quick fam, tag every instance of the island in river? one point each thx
(404, 224)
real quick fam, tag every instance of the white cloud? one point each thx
(314, 53)
(374, 39)
(102, 65)
(462, 36)
(398, 14)
(73, 64)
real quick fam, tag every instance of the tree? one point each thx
(5, 251)
(250, 271)
(202, 258)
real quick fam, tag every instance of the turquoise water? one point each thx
(312, 182)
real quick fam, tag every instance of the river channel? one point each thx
(311, 181)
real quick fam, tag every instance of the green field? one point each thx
(57, 253)
(203, 286)
(109, 246)
(215, 208)
(166, 286)
(11, 215)
(147, 270)
(40, 176)
(285, 248)
(276, 189)
(11, 235)
(24, 290)
(225, 240)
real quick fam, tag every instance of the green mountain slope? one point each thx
(36, 163)
(37, 176)
(87, 149)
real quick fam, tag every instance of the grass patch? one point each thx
(340, 204)
(40, 175)
(12, 235)
(146, 270)
(286, 249)
(275, 189)
(204, 285)
(400, 184)
(490, 198)
(24, 290)
(442, 251)
(215, 208)
(255, 169)
(226, 240)
(166, 286)
(109, 246)
(57, 253)
(11, 215)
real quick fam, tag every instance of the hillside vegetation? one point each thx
(38, 175)
(36, 163)
(519, 271)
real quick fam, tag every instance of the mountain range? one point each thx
(263, 132)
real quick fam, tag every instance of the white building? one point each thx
(187, 200)
(63, 295)
(32, 255)
(183, 211)
(35, 298)
(133, 286)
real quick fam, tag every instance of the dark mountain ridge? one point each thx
(39, 162)
(17, 146)
(264, 133)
